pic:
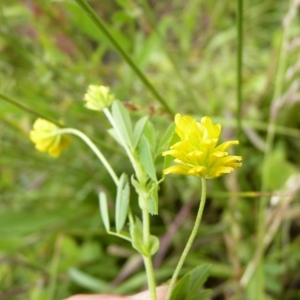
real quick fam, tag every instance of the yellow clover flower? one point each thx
(46, 137)
(197, 153)
(98, 97)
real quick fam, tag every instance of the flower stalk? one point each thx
(197, 153)
(190, 240)
(94, 148)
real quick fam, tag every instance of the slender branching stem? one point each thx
(94, 148)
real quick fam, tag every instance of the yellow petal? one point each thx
(178, 169)
(225, 146)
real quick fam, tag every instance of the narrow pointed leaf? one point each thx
(190, 284)
(136, 233)
(104, 210)
(154, 244)
(122, 202)
(146, 158)
(114, 135)
(152, 201)
(202, 295)
(87, 281)
(164, 142)
(180, 291)
(138, 187)
(138, 130)
(150, 134)
(123, 122)
(197, 278)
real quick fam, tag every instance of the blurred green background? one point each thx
(52, 241)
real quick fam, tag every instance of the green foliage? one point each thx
(53, 243)
(145, 155)
(122, 202)
(87, 281)
(138, 130)
(123, 122)
(136, 233)
(104, 210)
(277, 169)
(188, 286)
(152, 201)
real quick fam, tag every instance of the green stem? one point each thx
(239, 72)
(191, 239)
(98, 22)
(150, 277)
(94, 149)
(146, 223)
(147, 259)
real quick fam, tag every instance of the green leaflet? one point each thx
(154, 244)
(190, 284)
(87, 281)
(150, 192)
(152, 201)
(123, 122)
(165, 140)
(138, 130)
(122, 202)
(136, 232)
(150, 134)
(146, 158)
(104, 210)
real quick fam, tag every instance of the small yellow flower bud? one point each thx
(98, 97)
(47, 138)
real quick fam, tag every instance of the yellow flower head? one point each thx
(197, 152)
(46, 137)
(98, 97)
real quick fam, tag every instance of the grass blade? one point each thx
(98, 22)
